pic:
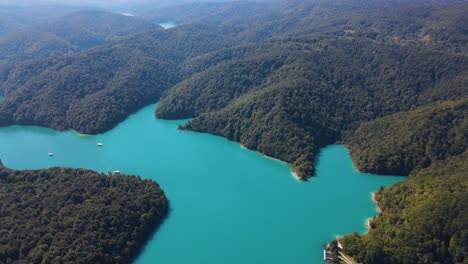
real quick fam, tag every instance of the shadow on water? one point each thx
(149, 236)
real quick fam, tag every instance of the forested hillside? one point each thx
(69, 34)
(438, 25)
(76, 216)
(423, 220)
(409, 141)
(93, 91)
(290, 97)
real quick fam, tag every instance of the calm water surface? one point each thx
(228, 204)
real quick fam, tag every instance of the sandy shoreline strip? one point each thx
(368, 224)
(296, 176)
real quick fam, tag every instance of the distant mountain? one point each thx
(69, 34)
(211, 12)
(87, 29)
(17, 17)
(438, 24)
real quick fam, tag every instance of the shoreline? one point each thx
(293, 173)
(368, 224)
(348, 147)
(379, 211)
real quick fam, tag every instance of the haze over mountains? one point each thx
(14, 17)
(285, 78)
(70, 34)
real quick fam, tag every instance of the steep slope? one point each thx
(64, 215)
(93, 91)
(69, 34)
(288, 98)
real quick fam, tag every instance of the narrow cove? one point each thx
(228, 204)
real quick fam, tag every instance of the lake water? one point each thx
(228, 204)
(168, 25)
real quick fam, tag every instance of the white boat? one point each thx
(100, 144)
(50, 154)
(116, 172)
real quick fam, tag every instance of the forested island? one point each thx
(386, 78)
(62, 215)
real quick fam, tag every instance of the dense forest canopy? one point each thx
(63, 215)
(409, 141)
(434, 24)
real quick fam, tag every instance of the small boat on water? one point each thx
(116, 172)
(100, 144)
(50, 154)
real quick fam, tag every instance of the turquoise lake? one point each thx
(228, 204)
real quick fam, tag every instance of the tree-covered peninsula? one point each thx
(62, 215)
